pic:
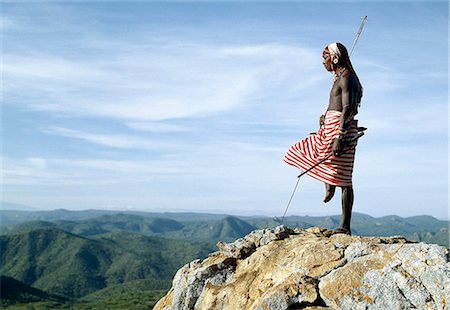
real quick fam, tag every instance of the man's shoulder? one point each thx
(348, 78)
(345, 79)
(348, 75)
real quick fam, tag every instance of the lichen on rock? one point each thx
(314, 268)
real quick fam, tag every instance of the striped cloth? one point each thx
(307, 152)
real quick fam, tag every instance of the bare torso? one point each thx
(346, 92)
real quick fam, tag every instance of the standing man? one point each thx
(336, 127)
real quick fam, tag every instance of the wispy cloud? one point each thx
(109, 140)
(407, 120)
(159, 82)
(27, 171)
(157, 127)
(48, 68)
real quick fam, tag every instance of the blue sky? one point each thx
(175, 106)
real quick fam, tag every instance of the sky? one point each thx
(191, 106)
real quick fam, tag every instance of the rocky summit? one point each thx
(314, 268)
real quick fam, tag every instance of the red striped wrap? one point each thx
(307, 152)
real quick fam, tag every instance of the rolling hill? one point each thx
(99, 260)
(213, 228)
(226, 229)
(69, 265)
(13, 291)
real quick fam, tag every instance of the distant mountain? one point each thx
(135, 223)
(69, 265)
(101, 224)
(10, 217)
(14, 206)
(205, 227)
(26, 226)
(225, 229)
(212, 228)
(440, 237)
(230, 229)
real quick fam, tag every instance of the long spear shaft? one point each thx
(358, 34)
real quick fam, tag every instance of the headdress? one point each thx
(334, 52)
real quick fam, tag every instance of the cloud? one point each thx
(27, 171)
(425, 120)
(158, 82)
(49, 68)
(109, 140)
(157, 127)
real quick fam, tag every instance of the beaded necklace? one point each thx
(338, 73)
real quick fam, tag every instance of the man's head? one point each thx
(336, 55)
(327, 62)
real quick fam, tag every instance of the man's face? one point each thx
(327, 60)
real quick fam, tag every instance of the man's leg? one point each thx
(347, 205)
(329, 192)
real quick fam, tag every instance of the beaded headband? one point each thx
(334, 50)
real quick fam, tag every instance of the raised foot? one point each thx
(330, 189)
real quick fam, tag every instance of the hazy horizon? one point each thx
(192, 105)
(244, 213)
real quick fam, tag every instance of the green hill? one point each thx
(73, 266)
(230, 229)
(224, 229)
(13, 291)
(11, 217)
(135, 294)
(55, 261)
(115, 260)
(102, 224)
(212, 228)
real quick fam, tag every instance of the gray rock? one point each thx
(314, 268)
(390, 276)
(244, 247)
(190, 280)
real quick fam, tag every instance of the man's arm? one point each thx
(346, 104)
(346, 112)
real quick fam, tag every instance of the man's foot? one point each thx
(330, 189)
(342, 230)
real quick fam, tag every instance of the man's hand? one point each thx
(337, 146)
(322, 120)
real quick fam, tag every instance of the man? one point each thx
(337, 129)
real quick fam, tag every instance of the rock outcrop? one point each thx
(315, 268)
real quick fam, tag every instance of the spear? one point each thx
(358, 34)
